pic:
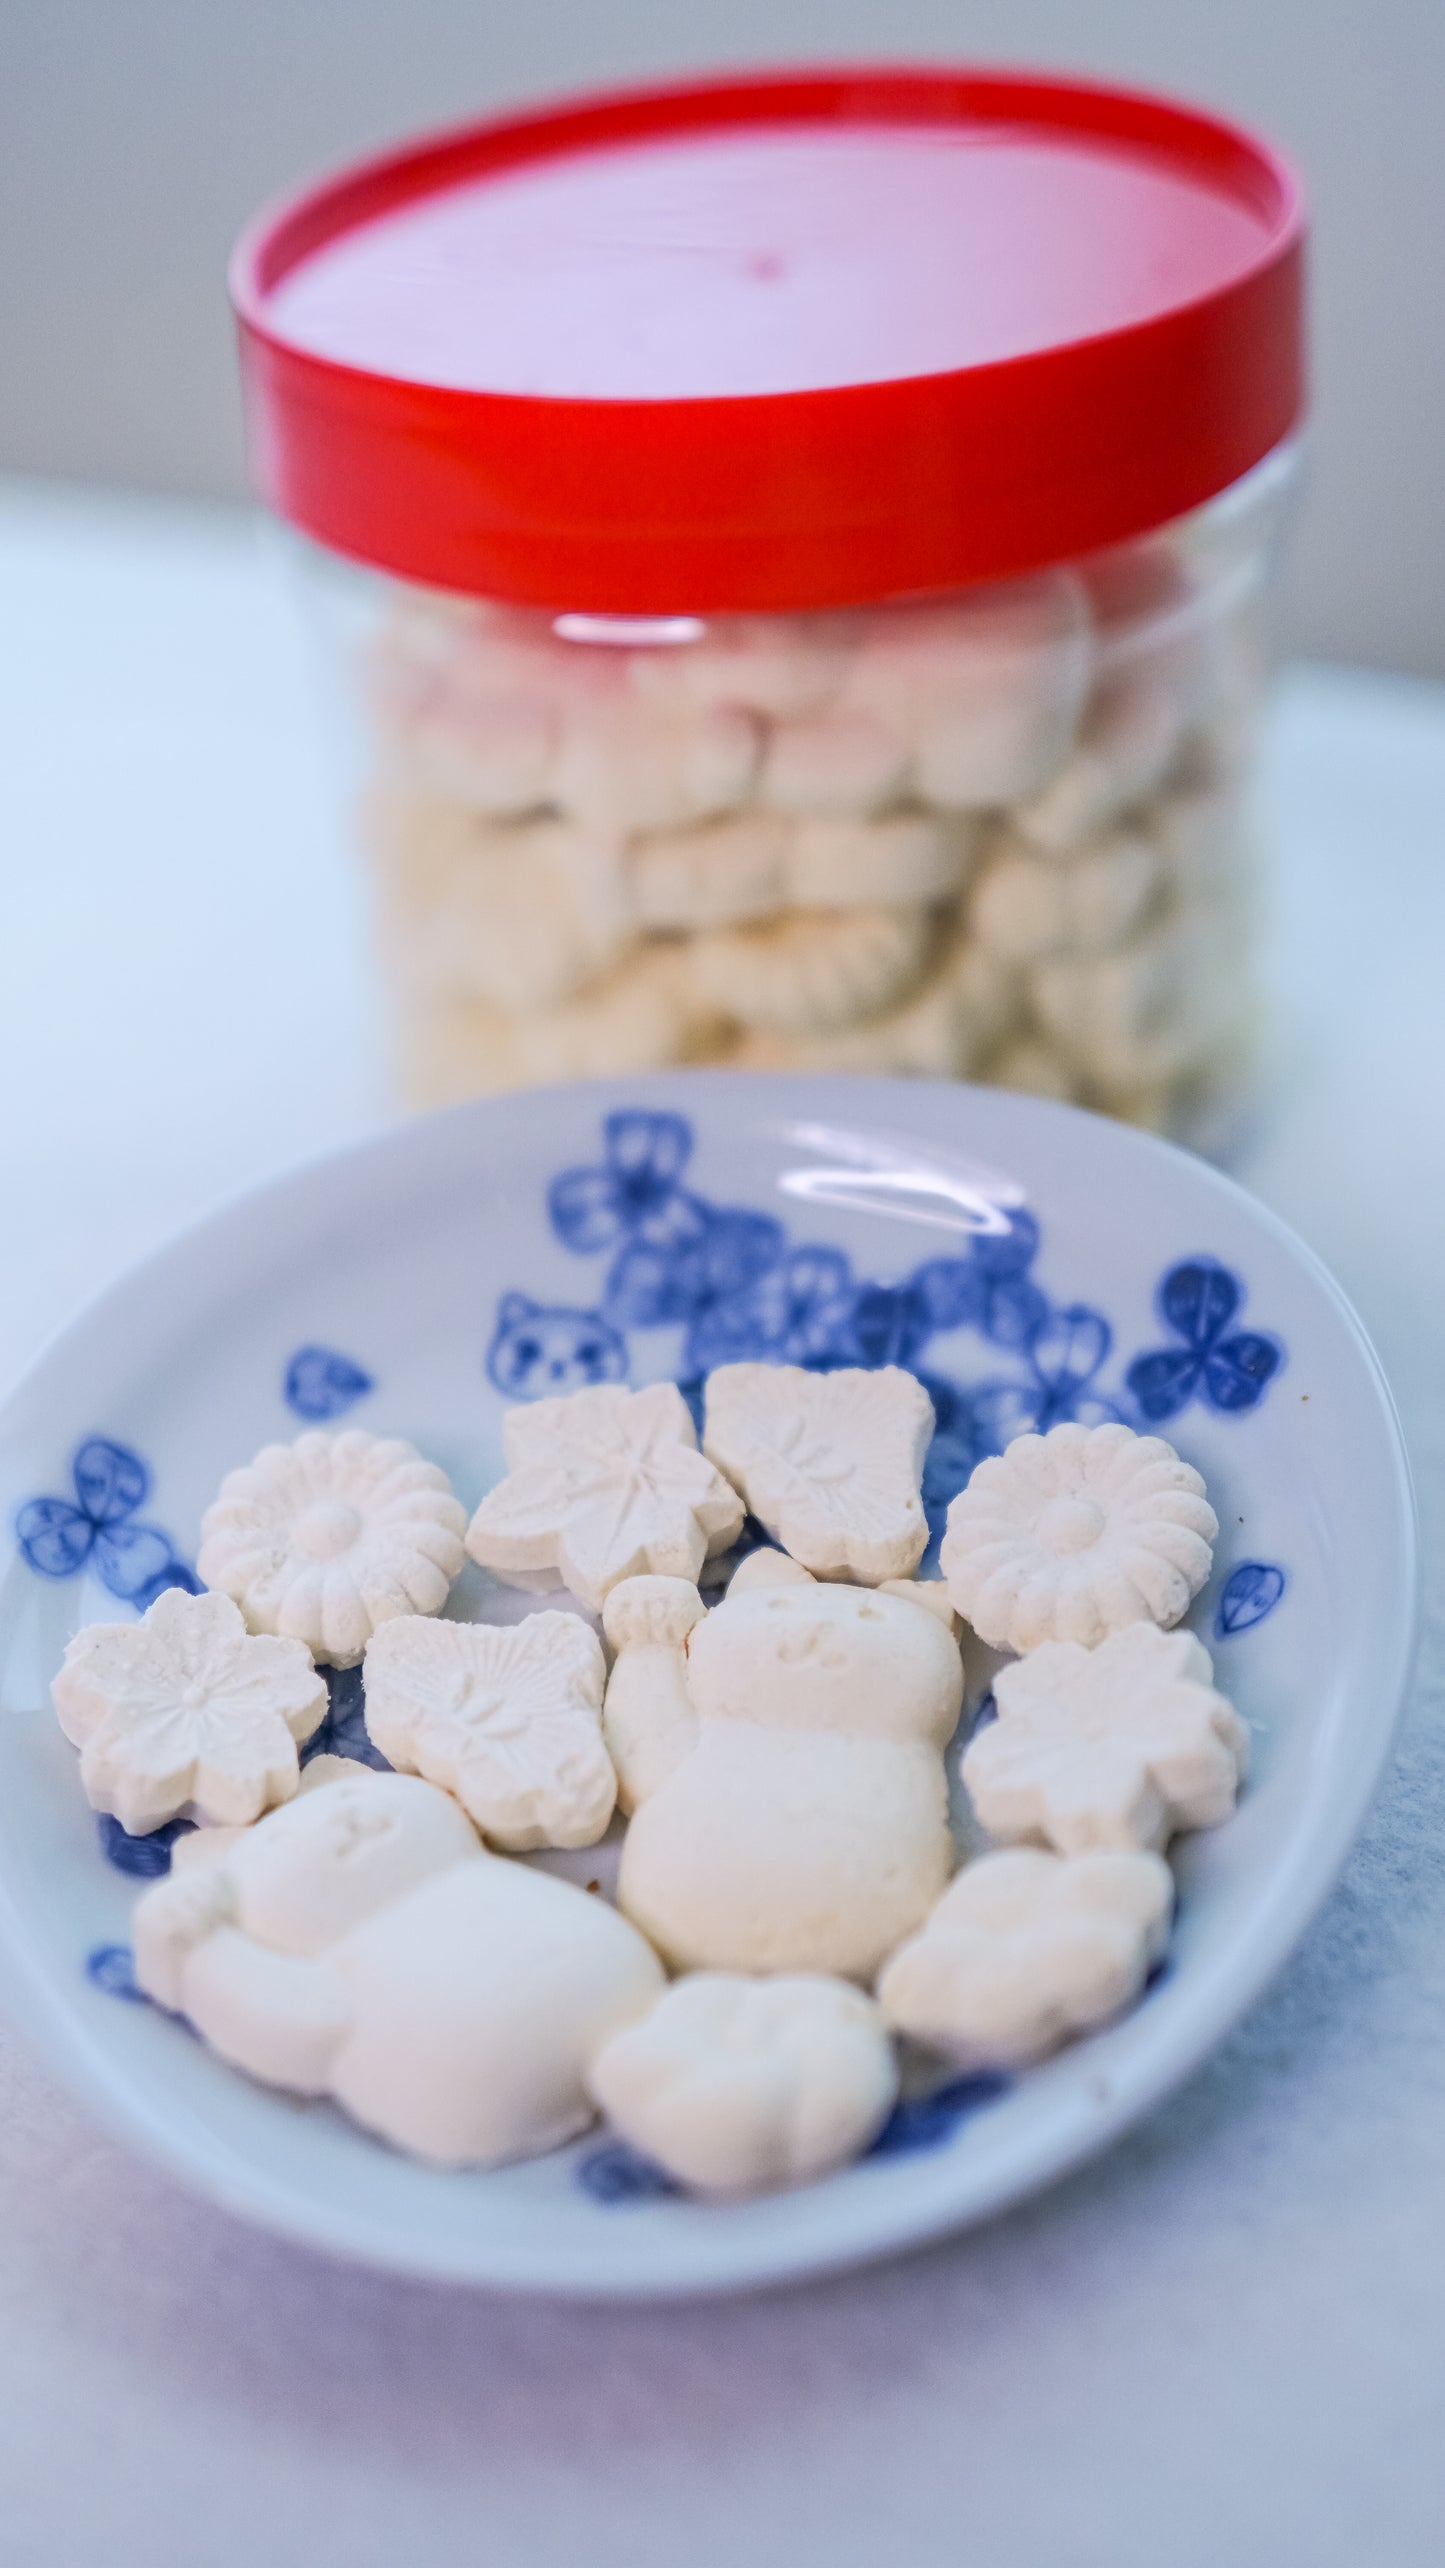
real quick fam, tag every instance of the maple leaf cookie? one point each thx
(186, 1711)
(1118, 1746)
(830, 1463)
(325, 1538)
(1026, 1949)
(1073, 1535)
(732, 2084)
(603, 1486)
(508, 1718)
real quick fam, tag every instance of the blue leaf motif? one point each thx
(1198, 1300)
(132, 1558)
(321, 1383)
(144, 1858)
(1249, 1593)
(111, 1968)
(617, 2175)
(635, 1195)
(1162, 1383)
(1236, 1373)
(892, 1324)
(110, 1480)
(54, 1537)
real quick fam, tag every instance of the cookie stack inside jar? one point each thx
(821, 525)
(998, 835)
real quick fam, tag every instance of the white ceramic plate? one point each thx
(1030, 1262)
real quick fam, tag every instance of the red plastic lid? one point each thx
(774, 342)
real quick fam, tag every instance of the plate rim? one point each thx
(1229, 1985)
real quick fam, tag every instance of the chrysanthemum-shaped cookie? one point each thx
(328, 1537)
(603, 1486)
(1118, 1746)
(830, 1463)
(732, 2083)
(1024, 1950)
(506, 1717)
(1072, 1535)
(185, 1711)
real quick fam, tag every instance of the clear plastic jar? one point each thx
(731, 804)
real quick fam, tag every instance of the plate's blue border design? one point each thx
(618, 2176)
(321, 1384)
(740, 1290)
(57, 1537)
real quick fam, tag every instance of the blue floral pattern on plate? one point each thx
(343, 1731)
(100, 1525)
(741, 1291)
(321, 1384)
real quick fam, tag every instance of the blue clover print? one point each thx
(1229, 1369)
(1249, 1593)
(635, 1197)
(322, 1384)
(58, 1536)
(706, 1282)
(1064, 1356)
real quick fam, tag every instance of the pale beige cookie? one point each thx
(184, 1712)
(930, 1593)
(830, 1463)
(626, 764)
(721, 874)
(766, 1568)
(735, 2085)
(965, 1003)
(1151, 1008)
(1026, 907)
(895, 857)
(806, 1828)
(841, 761)
(601, 1486)
(809, 973)
(1033, 1067)
(987, 687)
(1025, 1950)
(645, 1015)
(326, 1538)
(1129, 738)
(1073, 1534)
(1118, 1746)
(507, 1717)
(362, 1944)
(521, 919)
(778, 666)
(647, 1719)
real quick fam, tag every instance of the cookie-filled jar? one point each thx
(798, 546)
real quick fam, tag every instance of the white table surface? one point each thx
(1225, 2341)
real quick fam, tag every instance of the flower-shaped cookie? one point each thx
(1026, 1949)
(830, 1463)
(732, 2084)
(602, 1486)
(507, 1717)
(326, 1538)
(1072, 1535)
(186, 1711)
(1118, 1746)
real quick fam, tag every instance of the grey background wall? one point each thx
(136, 135)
